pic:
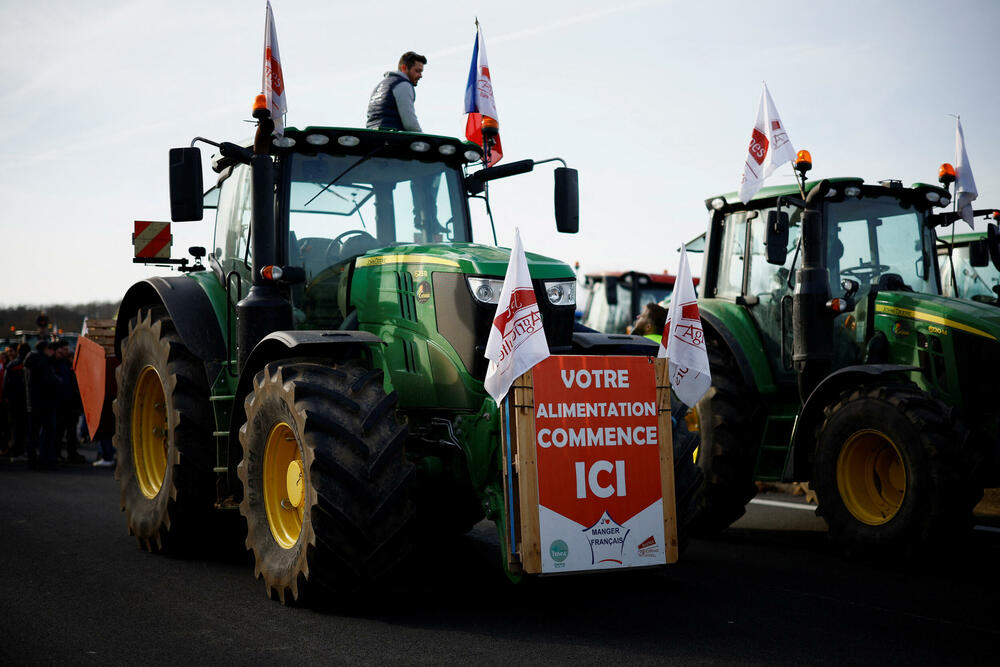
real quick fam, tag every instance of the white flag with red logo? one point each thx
(517, 340)
(479, 101)
(273, 84)
(683, 342)
(965, 184)
(769, 148)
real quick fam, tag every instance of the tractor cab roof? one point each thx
(362, 142)
(642, 277)
(919, 194)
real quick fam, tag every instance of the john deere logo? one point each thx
(423, 291)
(559, 551)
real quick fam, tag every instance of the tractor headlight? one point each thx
(561, 292)
(486, 290)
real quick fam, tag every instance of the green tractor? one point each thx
(836, 360)
(323, 371)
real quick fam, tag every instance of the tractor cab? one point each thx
(347, 198)
(340, 194)
(874, 238)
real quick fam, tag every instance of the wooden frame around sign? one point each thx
(523, 543)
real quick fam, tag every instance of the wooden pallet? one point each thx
(102, 332)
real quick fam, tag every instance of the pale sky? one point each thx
(653, 102)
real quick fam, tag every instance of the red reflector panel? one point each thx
(152, 239)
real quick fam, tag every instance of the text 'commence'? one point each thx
(610, 436)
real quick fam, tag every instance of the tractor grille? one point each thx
(407, 296)
(468, 335)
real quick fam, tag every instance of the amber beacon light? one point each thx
(803, 162)
(259, 106)
(946, 174)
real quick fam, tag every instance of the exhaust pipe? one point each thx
(812, 347)
(264, 309)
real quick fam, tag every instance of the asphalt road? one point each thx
(770, 590)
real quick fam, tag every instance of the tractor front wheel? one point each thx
(890, 470)
(163, 434)
(326, 483)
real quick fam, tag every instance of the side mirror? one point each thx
(185, 184)
(776, 237)
(979, 253)
(993, 244)
(611, 290)
(567, 201)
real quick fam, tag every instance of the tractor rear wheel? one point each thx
(326, 483)
(163, 435)
(892, 469)
(727, 422)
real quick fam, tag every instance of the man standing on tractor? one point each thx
(390, 106)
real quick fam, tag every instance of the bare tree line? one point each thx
(67, 317)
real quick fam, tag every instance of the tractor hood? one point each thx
(978, 319)
(469, 258)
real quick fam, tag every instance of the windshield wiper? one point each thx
(342, 174)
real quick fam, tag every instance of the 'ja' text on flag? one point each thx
(517, 340)
(769, 147)
(683, 342)
(273, 84)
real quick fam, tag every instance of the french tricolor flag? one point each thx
(479, 101)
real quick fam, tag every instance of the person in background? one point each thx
(16, 398)
(42, 389)
(650, 322)
(68, 405)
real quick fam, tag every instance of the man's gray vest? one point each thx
(382, 110)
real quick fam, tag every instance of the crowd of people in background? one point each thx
(40, 408)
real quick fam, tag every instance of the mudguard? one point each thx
(329, 345)
(732, 324)
(798, 466)
(191, 310)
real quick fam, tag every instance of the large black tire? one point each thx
(163, 435)
(728, 424)
(345, 522)
(893, 469)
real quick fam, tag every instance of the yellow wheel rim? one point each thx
(149, 432)
(871, 477)
(284, 485)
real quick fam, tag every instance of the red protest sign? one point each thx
(600, 491)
